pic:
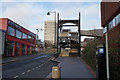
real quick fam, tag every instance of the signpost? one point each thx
(101, 63)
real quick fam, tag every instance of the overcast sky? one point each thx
(32, 15)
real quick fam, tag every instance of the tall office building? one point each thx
(49, 32)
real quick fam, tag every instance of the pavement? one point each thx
(7, 60)
(73, 67)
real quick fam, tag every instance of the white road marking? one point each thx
(23, 73)
(44, 63)
(33, 69)
(36, 67)
(28, 70)
(49, 59)
(15, 77)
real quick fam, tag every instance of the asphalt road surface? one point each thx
(38, 67)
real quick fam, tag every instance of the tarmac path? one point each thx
(72, 67)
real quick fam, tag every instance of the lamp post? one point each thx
(55, 30)
(37, 34)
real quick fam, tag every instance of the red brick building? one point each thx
(110, 18)
(18, 40)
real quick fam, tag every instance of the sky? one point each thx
(32, 14)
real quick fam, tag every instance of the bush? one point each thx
(89, 53)
(48, 44)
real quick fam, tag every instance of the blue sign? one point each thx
(14, 25)
(101, 50)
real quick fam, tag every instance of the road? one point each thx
(38, 67)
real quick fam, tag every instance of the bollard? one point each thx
(54, 54)
(56, 72)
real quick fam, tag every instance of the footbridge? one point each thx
(68, 35)
(66, 38)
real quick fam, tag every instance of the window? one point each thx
(23, 49)
(14, 25)
(18, 34)
(24, 36)
(11, 23)
(114, 22)
(33, 50)
(11, 31)
(33, 40)
(17, 48)
(9, 47)
(118, 19)
(28, 49)
(110, 25)
(29, 38)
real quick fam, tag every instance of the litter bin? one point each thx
(56, 72)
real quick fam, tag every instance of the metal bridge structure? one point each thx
(74, 35)
(61, 23)
(70, 37)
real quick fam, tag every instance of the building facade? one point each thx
(18, 40)
(49, 33)
(110, 19)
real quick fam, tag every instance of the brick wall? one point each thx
(114, 52)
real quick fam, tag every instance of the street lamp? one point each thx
(37, 34)
(55, 29)
(48, 13)
(38, 31)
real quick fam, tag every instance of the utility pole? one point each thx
(79, 31)
(57, 33)
(37, 35)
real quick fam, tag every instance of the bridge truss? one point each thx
(76, 23)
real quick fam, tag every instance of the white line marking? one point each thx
(15, 77)
(49, 59)
(23, 73)
(36, 67)
(33, 69)
(28, 70)
(43, 64)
